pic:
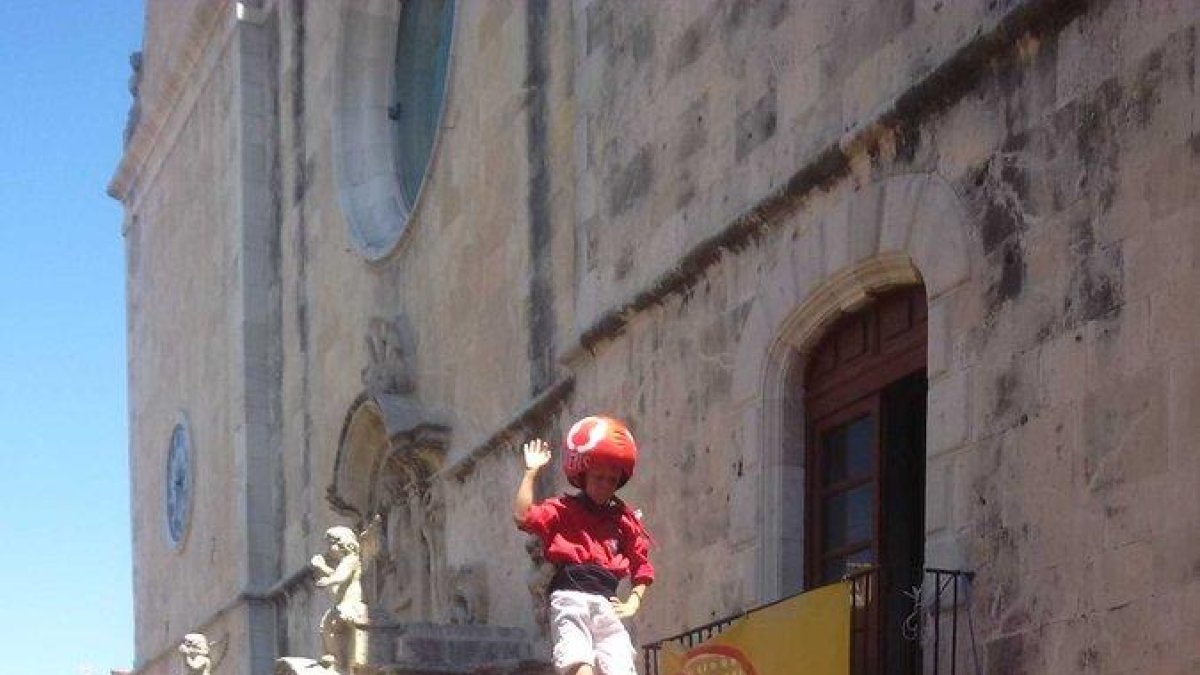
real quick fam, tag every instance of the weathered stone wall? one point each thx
(1058, 390)
(1075, 478)
(198, 238)
(694, 111)
(654, 209)
(181, 252)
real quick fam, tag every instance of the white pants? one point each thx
(585, 629)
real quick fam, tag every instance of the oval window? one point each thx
(179, 483)
(422, 57)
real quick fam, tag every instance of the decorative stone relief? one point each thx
(390, 451)
(424, 615)
(468, 595)
(411, 577)
(387, 370)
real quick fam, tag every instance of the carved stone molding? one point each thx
(379, 430)
(390, 451)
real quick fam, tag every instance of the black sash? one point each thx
(586, 578)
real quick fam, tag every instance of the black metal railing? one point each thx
(866, 647)
(926, 640)
(949, 604)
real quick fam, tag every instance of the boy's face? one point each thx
(601, 481)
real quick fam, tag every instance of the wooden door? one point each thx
(865, 402)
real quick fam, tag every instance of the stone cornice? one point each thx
(168, 100)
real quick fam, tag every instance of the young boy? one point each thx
(594, 540)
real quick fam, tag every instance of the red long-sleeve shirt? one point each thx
(576, 530)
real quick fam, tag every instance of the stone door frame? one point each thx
(902, 231)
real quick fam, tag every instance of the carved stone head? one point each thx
(342, 539)
(194, 644)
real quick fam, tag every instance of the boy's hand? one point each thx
(537, 454)
(628, 608)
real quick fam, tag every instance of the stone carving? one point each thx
(468, 595)
(424, 616)
(411, 578)
(389, 452)
(537, 580)
(387, 370)
(135, 108)
(196, 657)
(340, 570)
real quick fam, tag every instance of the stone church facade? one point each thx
(893, 283)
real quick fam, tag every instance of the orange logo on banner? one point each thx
(716, 660)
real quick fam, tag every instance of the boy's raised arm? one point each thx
(537, 455)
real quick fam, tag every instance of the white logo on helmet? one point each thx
(596, 434)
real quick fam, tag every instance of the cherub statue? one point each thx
(196, 660)
(340, 570)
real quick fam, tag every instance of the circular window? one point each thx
(391, 82)
(179, 483)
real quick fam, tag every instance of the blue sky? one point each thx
(66, 599)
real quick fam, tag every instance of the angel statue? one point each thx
(339, 570)
(195, 651)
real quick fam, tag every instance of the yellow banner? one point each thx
(805, 635)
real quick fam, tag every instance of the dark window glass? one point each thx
(422, 57)
(848, 451)
(850, 517)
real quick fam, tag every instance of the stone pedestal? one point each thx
(451, 649)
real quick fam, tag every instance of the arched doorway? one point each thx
(864, 425)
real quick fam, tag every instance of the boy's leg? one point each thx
(573, 646)
(615, 654)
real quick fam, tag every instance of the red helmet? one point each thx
(599, 439)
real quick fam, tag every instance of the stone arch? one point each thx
(389, 452)
(383, 431)
(369, 189)
(907, 230)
